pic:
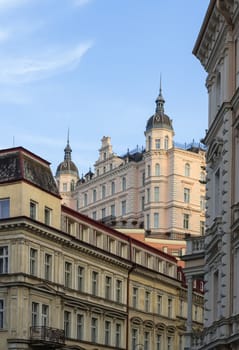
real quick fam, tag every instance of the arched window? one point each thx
(187, 169)
(166, 142)
(157, 169)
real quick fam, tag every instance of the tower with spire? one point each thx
(67, 176)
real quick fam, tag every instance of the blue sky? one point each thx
(94, 66)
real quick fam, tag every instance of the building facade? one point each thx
(70, 282)
(159, 188)
(217, 48)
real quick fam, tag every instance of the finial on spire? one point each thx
(160, 100)
(67, 149)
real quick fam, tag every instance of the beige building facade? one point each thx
(70, 282)
(159, 188)
(218, 51)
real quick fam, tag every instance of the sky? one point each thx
(93, 67)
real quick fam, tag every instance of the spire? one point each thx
(67, 149)
(160, 100)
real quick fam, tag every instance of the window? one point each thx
(181, 307)
(48, 267)
(94, 215)
(135, 297)
(118, 335)
(157, 143)
(156, 220)
(123, 208)
(158, 342)
(149, 170)
(33, 261)
(146, 340)
(94, 282)
(103, 191)
(45, 315)
(186, 221)
(166, 143)
(157, 169)
(186, 195)
(4, 208)
(147, 222)
(124, 184)
(85, 199)
(170, 303)
(142, 203)
(4, 259)
(159, 304)
(143, 178)
(148, 195)
(80, 278)
(103, 213)
(72, 185)
(112, 210)
(67, 323)
(108, 287)
(119, 291)
(94, 329)
(107, 332)
(68, 274)
(202, 203)
(33, 210)
(47, 216)
(134, 338)
(1, 314)
(112, 187)
(94, 195)
(64, 187)
(104, 169)
(202, 228)
(147, 301)
(169, 343)
(35, 314)
(202, 176)
(187, 169)
(156, 194)
(80, 327)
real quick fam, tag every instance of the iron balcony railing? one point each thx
(47, 335)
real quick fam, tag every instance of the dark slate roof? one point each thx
(20, 164)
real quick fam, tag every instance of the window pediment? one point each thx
(215, 151)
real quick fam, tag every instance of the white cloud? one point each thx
(23, 70)
(81, 2)
(8, 4)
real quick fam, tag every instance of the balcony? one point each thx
(41, 336)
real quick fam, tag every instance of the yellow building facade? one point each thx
(70, 282)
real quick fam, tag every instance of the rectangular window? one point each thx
(118, 335)
(33, 210)
(4, 259)
(80, 278)
(94, 282)
(119, 291)
(47, 216)
(112, 210)
(142, 203)
(1, 313)
(202, 228)
(64, 187)
(147, 301)
(135, 297)
(33, 261)
(94, 215)
(108, 287)
(158, 342)
(45, 315)
(186, 221)
(202, 203)
(146, 341)
(4, 208)
(103, 191)
(48, 267)
(85, 199)
(80, 327)
(147, 222)
(157, 143)
(134, 338)
(67, 324)
(68, 274)
(148, 195)
(169, 343)
(156, 194)
(107, 332)
(94, 195)
(170, 303)
(123, 208)
(94, 329)
(103, 213)
(186, 195)
(159, 304)
(149, 170)
(124, 184)
(156, 220)
(112, 187)
(35, 314)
